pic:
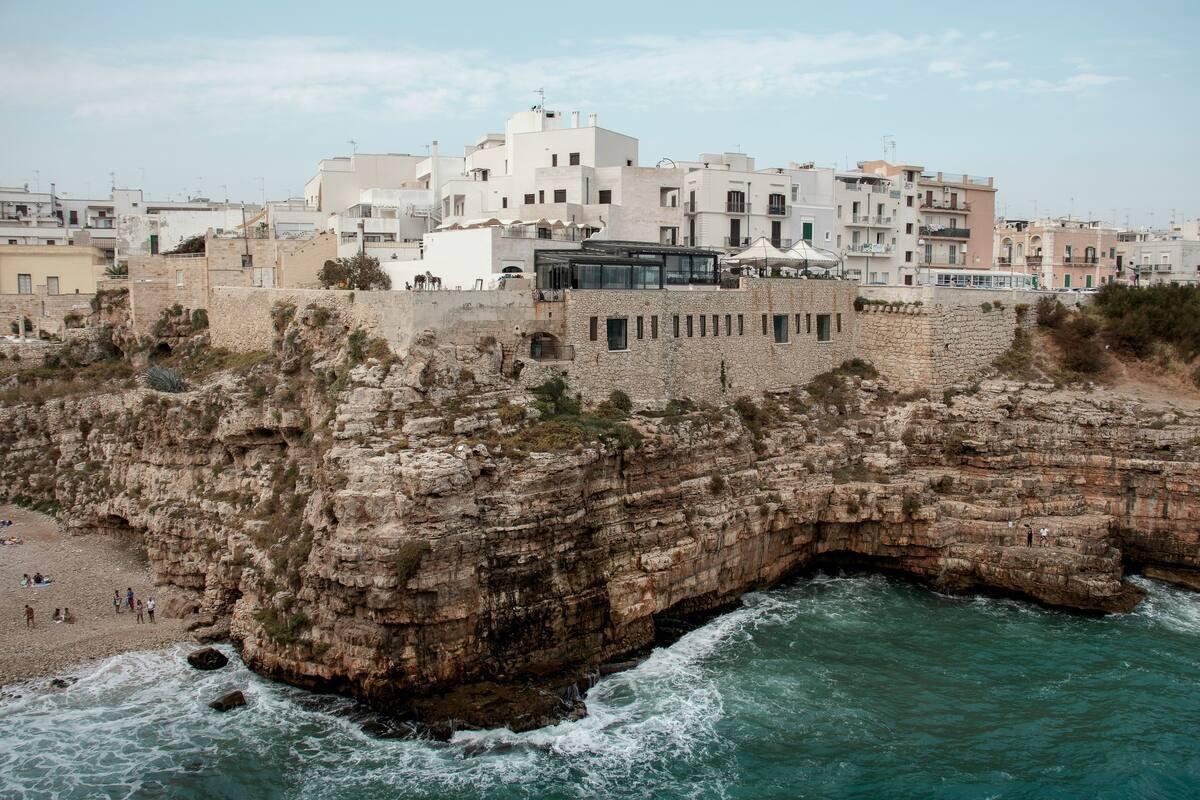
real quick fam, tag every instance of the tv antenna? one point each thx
(353, 146)
(541, 93)
(889, 143)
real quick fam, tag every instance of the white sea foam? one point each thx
(1169, 606)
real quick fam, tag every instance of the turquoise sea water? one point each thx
(828, 687)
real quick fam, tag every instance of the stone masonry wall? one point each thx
(899, 343)
(740, 360)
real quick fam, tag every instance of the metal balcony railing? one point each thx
(945, 233)
(689, 208)
(1033, 261)
(1081, 260)
(777, 210)
(737, 241)
(945, 205)
(737, 207)
(869, 249)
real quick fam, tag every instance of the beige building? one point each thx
(1060, 253)
(65, 269)
(958, 215)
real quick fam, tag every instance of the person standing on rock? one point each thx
(129, 597)
(28, 616)
(1028, 535)
(150, 609)
(1045, 536)
(117, 600)
(139, 611)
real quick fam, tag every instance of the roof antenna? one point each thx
(889, 143)
(541, 93)
(353, 146)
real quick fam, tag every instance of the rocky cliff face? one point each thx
(409, 532)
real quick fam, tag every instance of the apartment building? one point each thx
(28, 269)
(1148, 257)
(730, 203)
(877, 218)
(958, 215)
(1060, 253)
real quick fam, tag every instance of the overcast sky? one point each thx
(1093, 101)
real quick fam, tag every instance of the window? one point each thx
(560, 195)
(618, 334)
(703, 325)
(605, 197)
(716, 325)
(675, 321)
(689, 325)
(629, 162)
(654, 327)
(592, 323)
(797, 323)
(795, 192)
(528, 199)
(554, 159)
(12, 241)
(51, 242)
(73, 216)
(51, 285)
(839, 323)
(808, 324)
(247, 260)
(1066, 281)
(729, 325)
(781, 328)
(741, 325)
(504, 202)
(24, 284)
(908, 227)
(908, 256)
(573, 159)
(541, 195)
(764, 324)
(154, 244)
(823, 328)
(639, 327)
(908, 201)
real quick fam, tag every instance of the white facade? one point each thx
(1152, 257)
(878, 226)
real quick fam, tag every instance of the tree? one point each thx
(359, 272)
(193, 245)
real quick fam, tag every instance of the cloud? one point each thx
(948, 67)
(997, 65)
(1074, 83)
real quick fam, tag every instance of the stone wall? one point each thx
(740, 360)
(46, 312)
(239, 318)
(935, 347)
(159, 282)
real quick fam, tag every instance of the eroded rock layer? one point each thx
(409, 532)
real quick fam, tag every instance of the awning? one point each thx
(765, 253)
(813, 256)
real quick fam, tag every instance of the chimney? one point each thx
(592, 120)
(574, 119)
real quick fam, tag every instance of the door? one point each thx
(692, 232)
(954, 200)
(953, 254)
(51, 285)
(776, 233)
(735, 232)
(808, 232)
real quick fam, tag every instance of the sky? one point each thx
(1087, 108)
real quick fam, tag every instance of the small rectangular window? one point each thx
(908, 227)
(797, 323)
(839, 323)
(703, 326)
(675, 322)
(154, 244)
(764, 324)
(639, 325)
(560, 195)
(179, 277)
(51, 284)
(823, 328)
(618, 334)
(908, 256)
(741, 325)
(528, 199)
(909, 198)
(593, 323)
(780, 327)
(808, 324)
(541, 195)
(504, 202)
(605, 196)
(729, 325)
(25, 284)
(716, 325)
(654, 327)
(689, 325)
(574, 159)
(554, 159)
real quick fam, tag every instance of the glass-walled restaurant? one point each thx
(625, 265)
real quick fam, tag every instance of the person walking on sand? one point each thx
(139, 611)
(150, 609)
(129, 597)
(28, 616)
(117, 600)
(68, 617)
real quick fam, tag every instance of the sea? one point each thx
(833, 686)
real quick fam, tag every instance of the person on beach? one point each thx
(28, 616)
(26, 581)
(129, 597)
(57, 618)
(37, 578)
(139, 611)
(117, 601)
(68, 617)
(1028, 535)
(150, 609)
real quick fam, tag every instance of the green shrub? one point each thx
(161, 379)
(199, 319)
(953, 445)
(1022, 310)
(1081, 346)
(716, 484)
(911, 505)
(985, 307)
(509, 413)
(1017, 361)
(408, 559)
(1050, 312)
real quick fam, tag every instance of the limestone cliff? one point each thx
(421, 534)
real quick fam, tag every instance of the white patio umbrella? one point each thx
(763, 253)
(813, 256)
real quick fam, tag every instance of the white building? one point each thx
(1150, 257)
(877, 224)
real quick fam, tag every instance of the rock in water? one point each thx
(207, 658)
(226, 702)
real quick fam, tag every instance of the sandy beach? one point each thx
(84, 570)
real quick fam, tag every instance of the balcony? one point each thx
(689, 208)
(551, 234)
(945, 233)
(1033, 261)
(868, 249)
(737, 207)
(869, 219)
(1081, 260)
(777, 210)
(737, 241)
(945, 205)
(936, 260)
(1004, 261)
(1161, 267)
